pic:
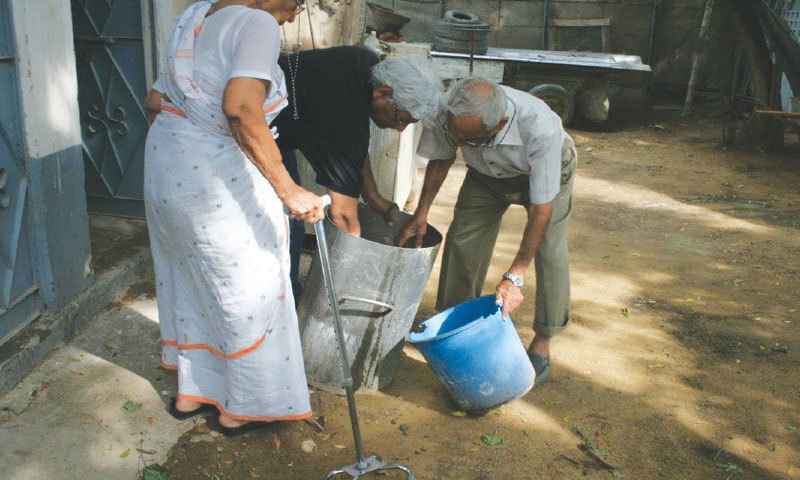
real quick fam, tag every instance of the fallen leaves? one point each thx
(131, 406)
(38, 392)
(154, 472)
(594, 451)
(494, 440)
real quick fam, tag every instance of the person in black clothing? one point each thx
(333, 94)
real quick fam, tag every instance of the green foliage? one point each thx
(154, 472)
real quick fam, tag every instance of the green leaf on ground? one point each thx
(731, 469)
(132, 406)
(154, 472)
(590, 444)
(125, 453)
(459, 413)
(494, 441)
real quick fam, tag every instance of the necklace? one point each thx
(293, 78)
(293, 69)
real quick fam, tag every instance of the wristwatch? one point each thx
(516, 280)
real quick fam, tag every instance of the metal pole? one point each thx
(364, 464)
(347, 376)
(544, 25)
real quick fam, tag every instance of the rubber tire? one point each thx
(593, 105)
(450, 45)
(559, 99)
(456, 31)
(460, 16)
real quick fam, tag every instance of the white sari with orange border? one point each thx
(218, 231)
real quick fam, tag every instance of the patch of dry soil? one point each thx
(682, 360)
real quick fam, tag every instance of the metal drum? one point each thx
(379, 286)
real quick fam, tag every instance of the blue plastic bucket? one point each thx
(477, 355)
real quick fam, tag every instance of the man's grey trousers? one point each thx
(470, 242)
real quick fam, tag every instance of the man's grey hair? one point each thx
(477, 96)
(416, 88)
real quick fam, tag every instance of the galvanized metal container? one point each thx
(379, 286)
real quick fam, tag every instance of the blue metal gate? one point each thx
(111, 90)
(20, 297)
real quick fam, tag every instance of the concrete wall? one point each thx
(325, 23)
(158, 17)
(51, 126)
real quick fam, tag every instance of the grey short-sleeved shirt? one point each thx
(529, 144)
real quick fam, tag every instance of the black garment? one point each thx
(333, 97)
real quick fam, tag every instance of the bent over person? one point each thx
(215, 191)
(333, 94)
(516, 152)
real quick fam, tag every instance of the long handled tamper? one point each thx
(364, 464)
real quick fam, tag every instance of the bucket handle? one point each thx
(388, 307)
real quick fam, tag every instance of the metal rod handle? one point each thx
(322, 246)
(347, 298)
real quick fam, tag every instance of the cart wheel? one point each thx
(559, 99)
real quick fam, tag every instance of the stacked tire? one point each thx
(460, 31)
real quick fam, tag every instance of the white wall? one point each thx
(157, 19)
(332, 23)
(48, 81)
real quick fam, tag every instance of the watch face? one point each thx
(516, 280)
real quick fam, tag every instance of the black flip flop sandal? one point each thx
(202, 410)
(247, 427)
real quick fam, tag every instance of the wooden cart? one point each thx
(571, 83)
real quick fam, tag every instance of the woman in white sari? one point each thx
(215, 192)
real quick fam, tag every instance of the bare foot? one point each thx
(229, 422)
(187, 405)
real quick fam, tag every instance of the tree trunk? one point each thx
(698, 53)
(765, 132)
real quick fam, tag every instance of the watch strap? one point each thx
(516, 280)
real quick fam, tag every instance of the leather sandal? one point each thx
(541, 365)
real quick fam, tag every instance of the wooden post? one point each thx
(687, 106)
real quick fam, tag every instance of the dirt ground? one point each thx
(682, 360)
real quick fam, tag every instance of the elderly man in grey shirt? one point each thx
(517, 152)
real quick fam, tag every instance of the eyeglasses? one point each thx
(299, 6)
(453, 141)
(398, 120)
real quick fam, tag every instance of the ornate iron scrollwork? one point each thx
(115, 122)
